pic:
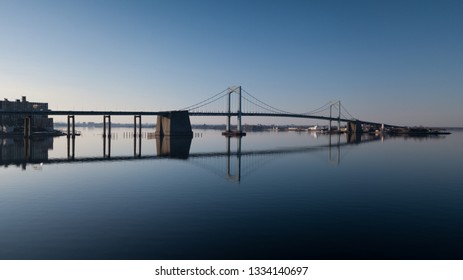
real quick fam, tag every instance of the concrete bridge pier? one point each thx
(107, 137)
(137, 122)
(173, 134)
(27, 127)
(71, 118)
(354, 127)
(174, 123)
(107, 117)
(354, 132)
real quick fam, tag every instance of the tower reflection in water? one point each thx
(234, 174)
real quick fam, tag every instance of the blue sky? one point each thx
(398, 62)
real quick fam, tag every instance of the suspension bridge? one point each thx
(237, 102)
(231, 102)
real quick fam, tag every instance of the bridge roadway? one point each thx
(204, 114)
(300, 116)
(85, 113)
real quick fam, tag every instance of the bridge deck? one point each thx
(205, 114)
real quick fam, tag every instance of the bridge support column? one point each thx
(107, 117)
(354, 127)
(107, 142)
(174, 123)
(135, 120)
(73, 132)
(27, 127)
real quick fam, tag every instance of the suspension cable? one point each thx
(342, 106)
(273, 109)
(196, 105)
(262, 107)
(319, 109)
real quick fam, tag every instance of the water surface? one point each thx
(270, 195)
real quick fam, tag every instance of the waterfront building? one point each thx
(14, 123)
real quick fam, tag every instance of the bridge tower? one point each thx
(239, 128)
(339, 115)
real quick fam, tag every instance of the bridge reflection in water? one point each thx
(233, 163)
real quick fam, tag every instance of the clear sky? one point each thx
(398, 62)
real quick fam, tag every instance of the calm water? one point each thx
(269, 196)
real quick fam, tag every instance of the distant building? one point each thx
(14, 123)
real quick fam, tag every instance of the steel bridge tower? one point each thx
(239, 127)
